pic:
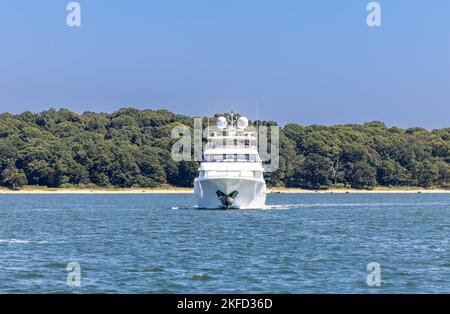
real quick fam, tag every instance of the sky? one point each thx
(299, 61)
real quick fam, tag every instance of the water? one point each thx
(161, 243)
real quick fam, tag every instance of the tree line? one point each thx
(131, 148)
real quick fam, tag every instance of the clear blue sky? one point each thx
(304, 61)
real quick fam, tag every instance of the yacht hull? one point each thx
(230, 193)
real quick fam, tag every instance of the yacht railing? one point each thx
(231, 173)
(231, 146)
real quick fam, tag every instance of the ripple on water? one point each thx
(200, 277)
(30, 275)
(19, 241)
(14, 241)
(156, 269)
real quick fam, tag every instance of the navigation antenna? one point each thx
(257, 123)
(231, 119)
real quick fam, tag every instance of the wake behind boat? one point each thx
(231, 173)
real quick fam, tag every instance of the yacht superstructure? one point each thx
(231, 173)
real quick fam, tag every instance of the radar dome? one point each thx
(242, 122)
(221, 122)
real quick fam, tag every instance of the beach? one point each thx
(173, 190)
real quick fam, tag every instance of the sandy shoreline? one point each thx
(354, 191)
(190, 191)
(98, 191)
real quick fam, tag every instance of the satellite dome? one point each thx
(221, 122)
(242, 122)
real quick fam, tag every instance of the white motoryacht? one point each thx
(231, 173)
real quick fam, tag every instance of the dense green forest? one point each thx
(130, 147)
